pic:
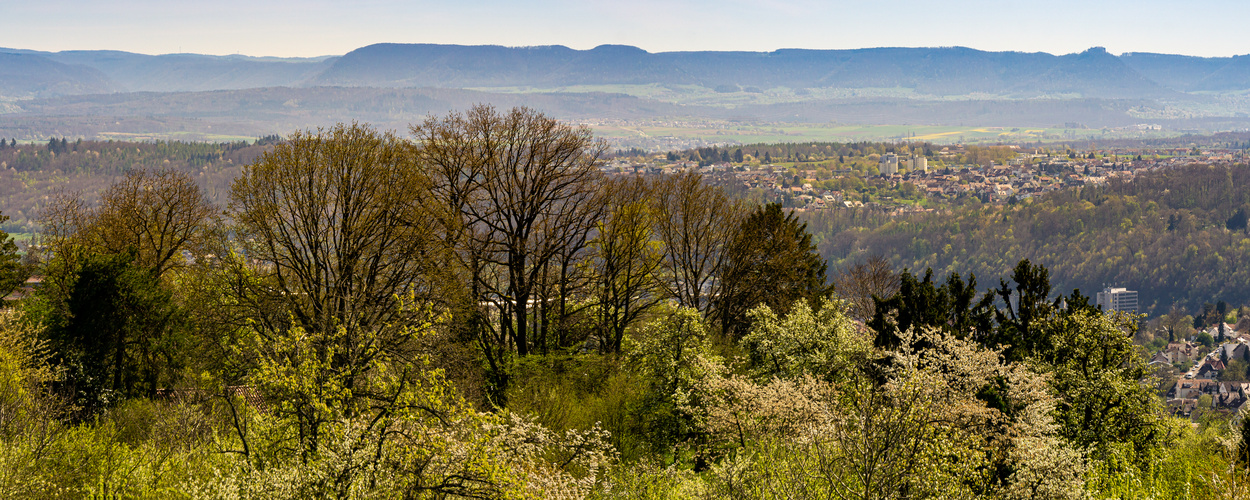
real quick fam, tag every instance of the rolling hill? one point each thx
(941, 72)
(32, 75)
(89, 93)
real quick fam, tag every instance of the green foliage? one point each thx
(921, 304)
(119, 334)
(924, 433)
(138, 449)
(1078, 234)
(12, 272)
(822, 344)
(581, 391)
(1197, 464)
(1243, 448)
(26, 374)
(1097, 373)
(771, 261)
(318, 354)
(673, 355)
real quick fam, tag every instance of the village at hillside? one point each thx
(910, 178)
(1206, 373)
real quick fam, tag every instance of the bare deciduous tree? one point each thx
(858, 284)
(518, 188)
(626, 262)
(157, 213)
(336, 220)
(696, 223)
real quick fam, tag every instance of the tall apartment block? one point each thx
(1117, 299)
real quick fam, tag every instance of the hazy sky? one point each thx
(324, 27)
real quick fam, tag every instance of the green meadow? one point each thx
(748, 133)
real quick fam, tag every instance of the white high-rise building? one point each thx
(888, 165)
(1117, 299)
(919, 164)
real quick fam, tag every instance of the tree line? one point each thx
(1174, 235)
(479, 312)
(29, 174)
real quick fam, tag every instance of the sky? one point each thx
(332, 27)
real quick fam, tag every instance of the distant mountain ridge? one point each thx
(1192, 74)
(30, 75)
(938, 71)
(944, 71)
(79, 72)
(193, 72)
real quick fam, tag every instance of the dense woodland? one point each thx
(30, 173)
(479, 313)
(860, 157)
(1178, 236)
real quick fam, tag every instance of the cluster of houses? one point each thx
(1023, 177)
(1206, 369)
(1225, 396)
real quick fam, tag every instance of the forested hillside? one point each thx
(29, 75)
(1166, 234)
(29, 174)
(481, 312)
(93, 93)
(1177, 236)
(934, 71)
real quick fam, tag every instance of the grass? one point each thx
(185, 136)
(747, 133)
(704, 96)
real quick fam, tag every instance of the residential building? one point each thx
(919, 164)
(1117, 299)
(888, 164)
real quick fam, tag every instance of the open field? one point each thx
(726, 132)
(173, 136)
(697, 95)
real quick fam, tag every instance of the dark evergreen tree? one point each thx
(953, 307)
(772, 261)
(12, 272)
(1238, 221)
(117, 333)
(1243, 449)
(1206, 318)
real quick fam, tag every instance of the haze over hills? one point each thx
(1191, 74)
(937, 71)
(58, 93)
(130, 72)
(29, 75)
(945, 71)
